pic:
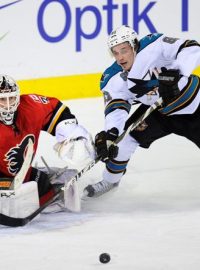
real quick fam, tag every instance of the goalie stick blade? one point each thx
(12, 222)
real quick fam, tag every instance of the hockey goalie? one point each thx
(24, 188)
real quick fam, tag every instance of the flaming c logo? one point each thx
(15, 156)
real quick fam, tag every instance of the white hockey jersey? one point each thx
(140, 84)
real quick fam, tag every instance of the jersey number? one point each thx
(170, 40)
(40, 99)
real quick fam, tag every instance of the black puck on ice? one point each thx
(104, 258)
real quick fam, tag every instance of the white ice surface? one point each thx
(151, 222)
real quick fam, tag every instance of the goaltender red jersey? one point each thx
(34, 114)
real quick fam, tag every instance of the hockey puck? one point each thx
(104, 258)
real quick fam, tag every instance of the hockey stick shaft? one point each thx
(140, 120)
(121, 137)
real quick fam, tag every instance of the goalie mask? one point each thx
(9, 99)
(122, 34)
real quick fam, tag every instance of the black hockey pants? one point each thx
(159, 125)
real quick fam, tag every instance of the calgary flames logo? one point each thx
(15, 156)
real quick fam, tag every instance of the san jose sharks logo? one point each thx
(146, 86)
(15, 156)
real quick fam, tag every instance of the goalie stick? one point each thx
(16, 222)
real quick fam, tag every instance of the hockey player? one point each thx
(156, 66)
(21, 119)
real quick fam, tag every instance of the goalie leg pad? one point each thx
(21, 202)
(62, 177)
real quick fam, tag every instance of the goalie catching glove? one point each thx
(168, 85)
(75, 145)
(105, 148)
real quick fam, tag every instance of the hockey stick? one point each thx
(125, 133)
(72, 197)
(140, 120)
(15, 222)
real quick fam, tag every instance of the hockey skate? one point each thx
(99, 188)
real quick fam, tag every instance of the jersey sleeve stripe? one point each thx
(117, 104)
(55, 118)
(186, 44)
(188, 94)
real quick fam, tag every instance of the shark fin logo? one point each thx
(15, 156)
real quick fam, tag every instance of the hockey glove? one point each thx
(168, 85)
(104, 147)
